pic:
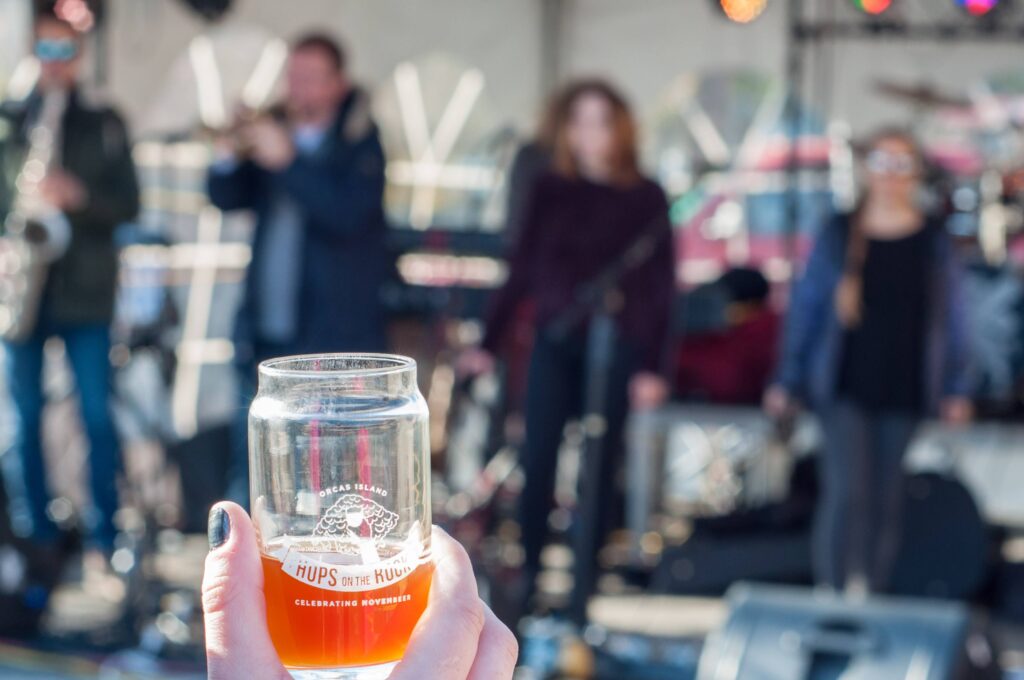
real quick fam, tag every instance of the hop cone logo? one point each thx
(354, 516)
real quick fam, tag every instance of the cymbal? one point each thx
(921, 94)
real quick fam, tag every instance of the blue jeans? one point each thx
(859, 520)
(238, 467)
(557, 384)
(248, 380)
(88, 351)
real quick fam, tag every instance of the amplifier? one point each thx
(794, 634)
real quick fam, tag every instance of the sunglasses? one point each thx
(48, 51)
(889, 163)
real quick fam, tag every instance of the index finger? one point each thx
(444, 642)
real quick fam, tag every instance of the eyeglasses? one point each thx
(48, 51)
(889, 163)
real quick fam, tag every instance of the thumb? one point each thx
(237, 641)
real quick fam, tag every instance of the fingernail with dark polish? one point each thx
(218, 528)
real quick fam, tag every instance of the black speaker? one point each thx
(795, 634)
(708, 565)
(945, 547)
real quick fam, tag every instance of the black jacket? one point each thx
(339, 190)
(96, 149)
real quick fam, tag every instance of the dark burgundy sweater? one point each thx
(573, 230)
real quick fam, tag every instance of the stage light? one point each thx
(977, 7)
(873, 6)
(75, 12)
(82, 15)
(743, 11)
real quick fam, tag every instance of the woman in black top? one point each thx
(580, 219)
(876, 341)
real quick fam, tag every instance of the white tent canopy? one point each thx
(642, 44)
(520, 47)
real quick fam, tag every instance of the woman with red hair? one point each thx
(580, 219)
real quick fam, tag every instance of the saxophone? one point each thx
(35, 233)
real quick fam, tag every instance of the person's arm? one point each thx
(957, 378)
(341, 197)
(11, 116)
(810, 306)
(653, 286)
(655, 289)
(112, 196)
(521, 272)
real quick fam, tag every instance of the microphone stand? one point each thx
(599, 299)
(602, 338)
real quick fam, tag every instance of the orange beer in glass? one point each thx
(339, 460)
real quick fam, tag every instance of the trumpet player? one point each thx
(90, 181)
(313, 171)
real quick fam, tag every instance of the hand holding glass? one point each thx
(339, 461)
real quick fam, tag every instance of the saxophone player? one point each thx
(90, 178)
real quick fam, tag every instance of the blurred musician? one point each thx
(313, 171)
(90, 178)
(582, 215)
(732, 363)
(875, 341)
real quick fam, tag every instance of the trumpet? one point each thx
(35, 233)
(233, 135)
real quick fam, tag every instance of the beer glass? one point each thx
(340, 467)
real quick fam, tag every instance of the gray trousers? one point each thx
(859, 517)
